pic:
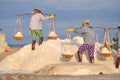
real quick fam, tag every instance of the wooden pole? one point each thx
(2, 42)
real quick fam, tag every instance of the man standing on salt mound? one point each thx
(36, 26)
(89, 37)
(117, 40)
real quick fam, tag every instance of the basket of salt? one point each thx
(52, 35)
(18, 36)
(18, 30)
(105, 52)
(67, 54)
(105, 49)
(67, 49)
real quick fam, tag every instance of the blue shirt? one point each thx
(117, 38)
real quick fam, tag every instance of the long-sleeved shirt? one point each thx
(36, 21)
(89, 35)
(117, 38)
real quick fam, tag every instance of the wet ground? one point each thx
(56, 77)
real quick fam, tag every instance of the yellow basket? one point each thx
(106, 54)
(18, 38)
(103, 54)
(67, 56)
(52, 37)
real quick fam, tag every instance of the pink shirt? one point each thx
(36, 21)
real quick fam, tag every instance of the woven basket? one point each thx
(103, 53)
(67, 56)
(52, 37)
(106, 54)
(18, 38)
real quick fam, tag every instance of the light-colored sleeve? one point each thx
(79, 30)
(44, 18)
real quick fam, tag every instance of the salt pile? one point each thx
(74, 69)
(52, 33)
(18, 34)
(50, 52)
(68, 52)
(105, 50)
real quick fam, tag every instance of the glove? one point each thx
(112, 42)
(52, 16)
(70, 30)
(30, 31)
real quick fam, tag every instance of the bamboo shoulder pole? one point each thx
(2, 42)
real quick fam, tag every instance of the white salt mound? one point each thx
(50, 52)
(68, 52)
(18, 34)
(74, 69)
(78, 40)
(105, 50)
(52, 33)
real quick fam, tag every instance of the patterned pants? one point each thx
(89, 48)
(36, 33)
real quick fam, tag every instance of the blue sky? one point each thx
(69, 13)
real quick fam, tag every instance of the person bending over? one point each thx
(89, 37)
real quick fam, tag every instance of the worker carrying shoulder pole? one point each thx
(36, 25)
(89, 37)
(117, 40)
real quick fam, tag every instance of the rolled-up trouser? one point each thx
(89, 48)
(117, 62)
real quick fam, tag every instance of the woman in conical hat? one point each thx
(36, 26)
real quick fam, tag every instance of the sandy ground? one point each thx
(23, 76)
